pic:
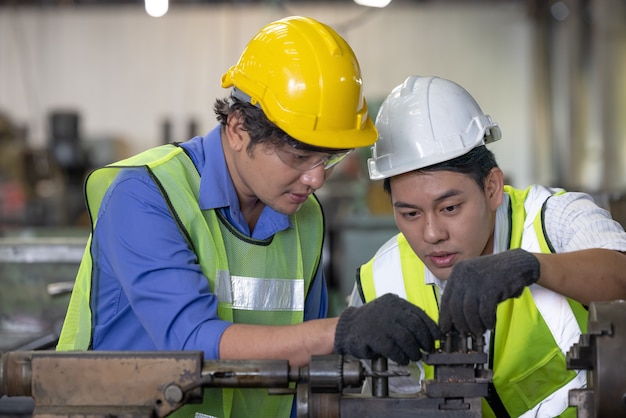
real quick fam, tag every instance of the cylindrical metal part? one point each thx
(325, 373)
(353, 372)
(246, 373)
(607, 323)
(302, 400)
(16, 373)
(380, 384)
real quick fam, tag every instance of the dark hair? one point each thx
(477, 164)
(259, 127)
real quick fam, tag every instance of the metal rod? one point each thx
(380, 384)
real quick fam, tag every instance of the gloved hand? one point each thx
(476, 286)
(388, 326)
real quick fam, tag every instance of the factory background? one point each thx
(85, 83)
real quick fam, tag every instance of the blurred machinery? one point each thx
(65, 143)
(41, 186)
(36, 275)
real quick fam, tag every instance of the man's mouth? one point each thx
(298, 198)
(442, 260)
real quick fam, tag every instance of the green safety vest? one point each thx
(283, 266)
(522, 376)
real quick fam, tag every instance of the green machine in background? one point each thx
(37, 273)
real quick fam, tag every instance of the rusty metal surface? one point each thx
(136, 383)
(153, 384)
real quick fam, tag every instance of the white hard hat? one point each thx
(425, 121)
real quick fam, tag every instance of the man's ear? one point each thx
(494, 187)
(235, 132)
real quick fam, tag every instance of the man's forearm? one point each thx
(586, 275)
(296, 343)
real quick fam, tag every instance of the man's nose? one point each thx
(315, 177)
(434, 230)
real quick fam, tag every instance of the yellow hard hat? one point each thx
(307, 80)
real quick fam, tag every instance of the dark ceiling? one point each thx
(44, 3)
(47, 3)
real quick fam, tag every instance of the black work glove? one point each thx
(476, 286)
(388, 326)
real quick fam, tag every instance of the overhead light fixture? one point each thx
(373, 3)
(157, 8)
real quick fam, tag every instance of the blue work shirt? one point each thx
(149, 292)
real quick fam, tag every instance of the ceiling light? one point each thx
(373, 3)
(157, 8)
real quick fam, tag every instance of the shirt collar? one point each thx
(217, 190)
(502, 229)
(216, 187)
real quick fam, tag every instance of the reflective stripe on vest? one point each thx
(526, 381)
(249, 291)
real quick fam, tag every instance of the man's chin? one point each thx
(441, 273)
(287, 209)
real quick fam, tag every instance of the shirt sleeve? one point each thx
(573, 221)
(148, 279)
(316, 304)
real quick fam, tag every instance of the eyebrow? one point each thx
(448, 194)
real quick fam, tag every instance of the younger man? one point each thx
(482, 257)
